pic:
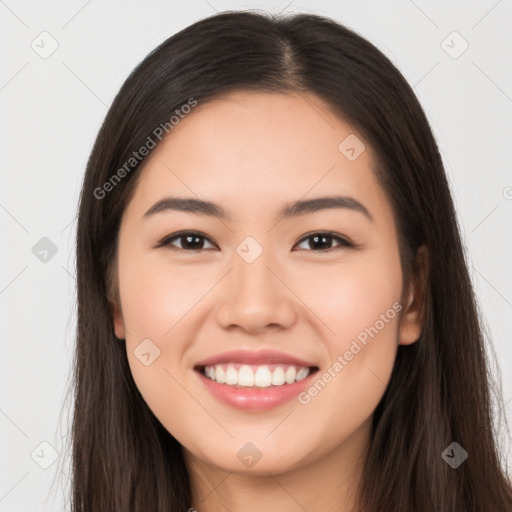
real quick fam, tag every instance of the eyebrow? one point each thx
(295, 209)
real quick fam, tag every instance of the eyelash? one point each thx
(343, 242)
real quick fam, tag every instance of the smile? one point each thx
(247, 387)
(256, 376)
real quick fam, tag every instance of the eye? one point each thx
(195, 241)
(322, 240)
(190, 241)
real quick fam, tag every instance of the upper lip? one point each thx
(256, 358)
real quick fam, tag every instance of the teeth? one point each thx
(262, 376)
(301, 374)
(231, 376)
(278, 377)
(245, 376)
(291, 373)
(218, 374)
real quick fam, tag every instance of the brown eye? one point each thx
(187, 241)
(323, 241)
(194, 241)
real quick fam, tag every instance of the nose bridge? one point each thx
(255, 297)
(251, 261)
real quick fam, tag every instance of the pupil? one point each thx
(324, 239)
(194, 241)
(191, 244)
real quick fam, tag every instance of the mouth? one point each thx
(250, 376)
(255, 381)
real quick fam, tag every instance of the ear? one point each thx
(114, 301)
(412, 318)
(119, 327)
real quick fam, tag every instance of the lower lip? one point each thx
(255, 399)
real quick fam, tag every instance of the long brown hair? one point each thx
(440, 391)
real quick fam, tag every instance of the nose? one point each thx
(255, 298)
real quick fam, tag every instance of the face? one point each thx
(265, 293)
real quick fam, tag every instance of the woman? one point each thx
(274, 310)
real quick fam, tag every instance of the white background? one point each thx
(52, 109)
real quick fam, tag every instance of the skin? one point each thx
(252, 153)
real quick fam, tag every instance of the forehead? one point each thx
(251, 149)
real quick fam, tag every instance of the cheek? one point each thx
(351, 297)
(360, 305)
(154, 300)
(157, 303)
(155, 295)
